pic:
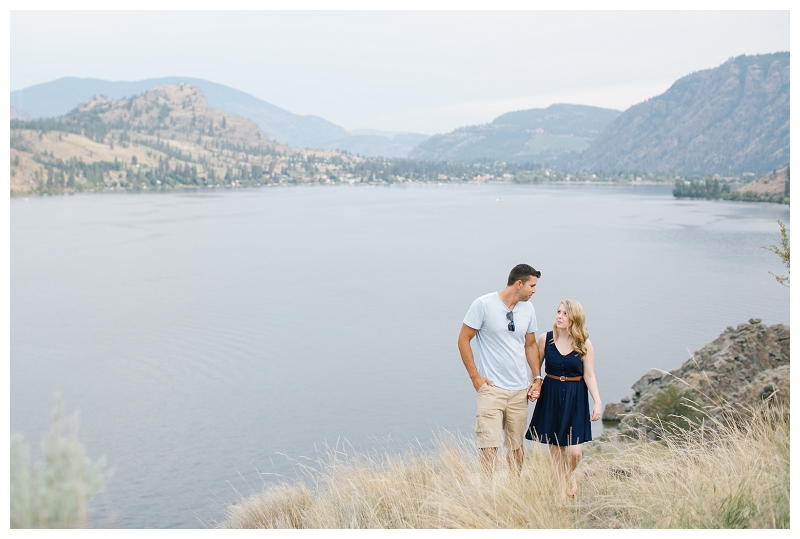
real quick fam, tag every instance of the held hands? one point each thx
(479, 380)
(534, 390)
(597, 410)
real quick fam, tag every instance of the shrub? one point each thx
(673, 407)
(54, 493)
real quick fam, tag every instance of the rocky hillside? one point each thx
(59, 97)
(167, 136)
(743, 366)
(776, 183)
(553, 136)
(728, 120)
(171, 137)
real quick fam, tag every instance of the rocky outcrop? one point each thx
(743, 366)
(179, 109)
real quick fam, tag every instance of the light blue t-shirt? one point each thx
(502, 352)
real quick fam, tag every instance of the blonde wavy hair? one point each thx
(577, 328)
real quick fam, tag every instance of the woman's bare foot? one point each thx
(572, 486)
(559, 489)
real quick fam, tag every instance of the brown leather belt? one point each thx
(564, 378)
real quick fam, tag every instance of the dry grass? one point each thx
(728, 475)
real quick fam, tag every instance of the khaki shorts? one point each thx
(501, 410)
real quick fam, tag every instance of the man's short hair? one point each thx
(522, 272)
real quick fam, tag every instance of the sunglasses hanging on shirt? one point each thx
(510, 317)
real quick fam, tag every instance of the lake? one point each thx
(203, 335)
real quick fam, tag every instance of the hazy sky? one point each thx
(420, 71)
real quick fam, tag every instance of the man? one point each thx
(505, 324)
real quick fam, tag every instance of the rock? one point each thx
(772, 384)
(767, 391)
(613, 411)
(743, 366)
(643, 382)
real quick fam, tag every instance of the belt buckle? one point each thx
(563, 378)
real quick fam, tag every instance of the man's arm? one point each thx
(535, 363)
(466, 335)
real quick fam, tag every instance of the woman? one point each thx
(562, 417)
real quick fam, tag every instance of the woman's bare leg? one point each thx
(573, 457)
(557, 469)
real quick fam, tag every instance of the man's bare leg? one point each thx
(487, 457)
(515, 458)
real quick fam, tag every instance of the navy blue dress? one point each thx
(561, 416)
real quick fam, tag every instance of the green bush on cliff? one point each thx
(673, 407)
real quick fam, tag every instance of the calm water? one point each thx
(203, 335)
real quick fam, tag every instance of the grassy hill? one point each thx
(774, 184)
(730, 474)
(554, 136)
(703, 446)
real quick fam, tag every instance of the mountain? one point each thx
(170, 137)
(730, 119)
(59, 97)
(166, 136)
(17, 114)
(374, 145)
(552, 136)
(373, 142)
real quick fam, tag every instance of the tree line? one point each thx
(714, 189)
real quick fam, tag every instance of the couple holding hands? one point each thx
(504, 326)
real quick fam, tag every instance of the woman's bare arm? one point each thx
(591, 381)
